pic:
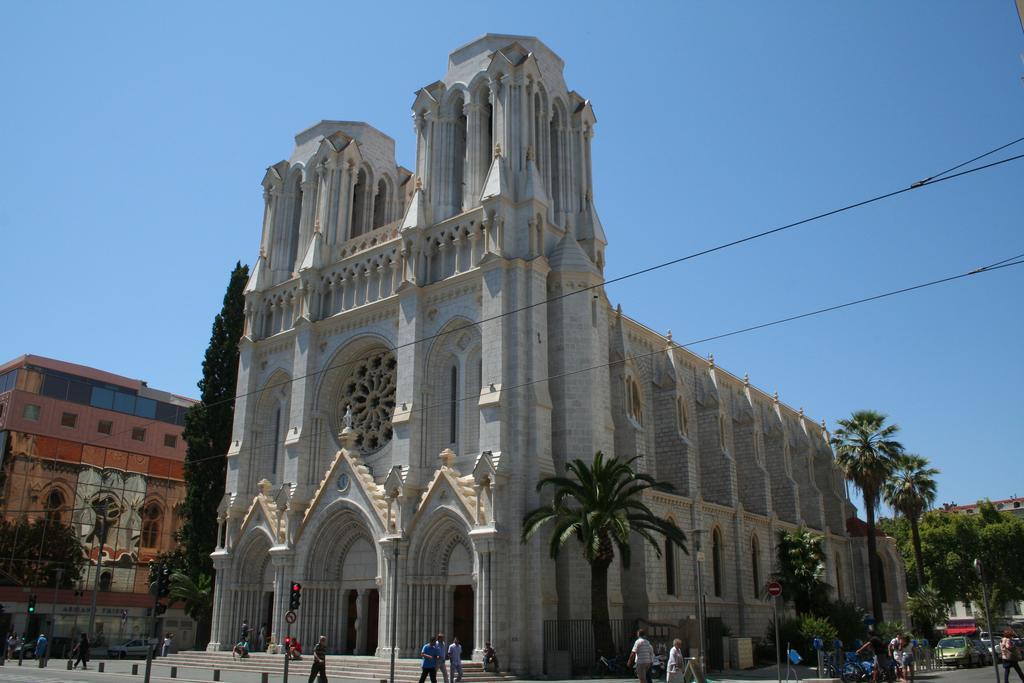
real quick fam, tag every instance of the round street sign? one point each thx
(289, 616)
(775, 589)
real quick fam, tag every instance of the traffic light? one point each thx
(31, 604)
(164, 581)
(160, 608)
(295, 599)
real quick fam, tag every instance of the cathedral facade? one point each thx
(423, 346)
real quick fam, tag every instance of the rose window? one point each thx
(369, 389)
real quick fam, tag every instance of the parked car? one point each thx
(984, 650)
(133, 648)
(957, 651)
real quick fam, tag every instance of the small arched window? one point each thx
(105, 581)
(670, 567)
(682, 417)
(633, 404)
(151, 526)
(716, 561)
(275, 446)
(453, 424)
(359, 193)
(55, 507)
(755, 568)
(721, 431)
(380, 204)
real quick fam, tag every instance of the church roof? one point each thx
(568, 256)
(475, 56)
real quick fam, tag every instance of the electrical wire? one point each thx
(931, 180)
(992, 267)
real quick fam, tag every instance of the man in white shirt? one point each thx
(642, 655)
(455, 657)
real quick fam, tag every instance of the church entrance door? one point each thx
(462, 618)
(352, 599)
(372, 621)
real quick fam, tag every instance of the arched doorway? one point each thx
(341, 586)
(442, 583)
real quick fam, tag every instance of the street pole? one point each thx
(99, 566)
(394, 610)
(778, 652)
(53, 615)
(287, 654)
(988, 615)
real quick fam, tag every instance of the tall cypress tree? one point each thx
(208, 431)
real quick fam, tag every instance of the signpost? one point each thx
(988, 617)
(775, 590)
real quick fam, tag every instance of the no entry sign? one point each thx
(775, 589)
(289, 616)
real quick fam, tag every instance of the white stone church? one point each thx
(456, 310)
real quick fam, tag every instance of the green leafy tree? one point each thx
(866, 451)
(910, 491)
(801, 570)
(601, 505)
(31, 552)
(208, 431)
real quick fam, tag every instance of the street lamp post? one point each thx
(701, 605)
(988, 616)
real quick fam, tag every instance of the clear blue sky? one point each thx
(133, 138)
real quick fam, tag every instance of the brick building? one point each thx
(78, 443)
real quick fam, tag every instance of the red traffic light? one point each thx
(296, 587)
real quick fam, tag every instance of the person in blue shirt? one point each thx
(41, 650)
(430, 654)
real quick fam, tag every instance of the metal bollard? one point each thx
(135, 669)
(69, 665)
(174, 672)
(216, 674)
(264, 677)
(102, 666)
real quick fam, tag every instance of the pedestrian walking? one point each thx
(319, 661)
(165, 649)
(261, 637)
(675, 666)
(1011, 655)
(455, 657)
(642, 655)
(442, 665)
(429, 655)
(244, 635)
(81, 652)
(41, 650)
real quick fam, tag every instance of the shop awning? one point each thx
(960, 630)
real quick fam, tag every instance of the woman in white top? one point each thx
(674, 670)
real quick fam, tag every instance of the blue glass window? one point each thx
(145, 407)
(124, 403)
(102, 398)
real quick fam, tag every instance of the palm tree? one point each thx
(197, 594)
(866, 452)
(910, 491)
(801, 569)
(601, 505)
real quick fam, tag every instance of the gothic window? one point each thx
(755, 569)
(556, 135)
(359, 192)
(453, 398)
(292, 236)
(682, 417)
(458, 157)
(380, 204)
(633, 404)
(105, 581)
(670, 568)
(370, 391)
(55, 506)
(716, 561)
(275, 444)
(721, 431)
(839, 579)
(151, 526)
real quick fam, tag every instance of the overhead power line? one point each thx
(931, 180)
